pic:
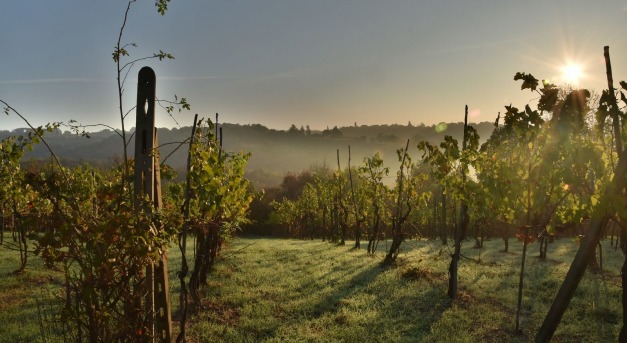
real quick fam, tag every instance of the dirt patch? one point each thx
(341, 319)
(550, 261)
(221, 313)
(464, 297)
(279, 313)
(11, 300)
(415, 273)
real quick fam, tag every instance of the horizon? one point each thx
(64, 129)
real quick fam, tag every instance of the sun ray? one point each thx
(572, 73)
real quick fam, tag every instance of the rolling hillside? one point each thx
(274, 152)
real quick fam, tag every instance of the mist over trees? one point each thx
(274, 152)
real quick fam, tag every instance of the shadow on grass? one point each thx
(23, 297)
(409, 313)
(333, 301)
(542, 280)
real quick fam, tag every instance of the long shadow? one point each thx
(333, 301)
(541, 285)
(344, 284)
(425, 306)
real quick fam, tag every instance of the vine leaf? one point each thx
(529, 82)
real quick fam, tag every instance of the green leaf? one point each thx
(162, 6)
(529, 82)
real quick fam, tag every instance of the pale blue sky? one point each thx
(319, 63)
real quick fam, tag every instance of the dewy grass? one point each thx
(26, 297)
(278, 290)
(288, 290)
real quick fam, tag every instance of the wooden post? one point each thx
(462, 224)
(616, 115)
(342, 226)
(358, 219)
(217, 126)
(183, 239)
(147, 183)
(614, 111)
(521, 279)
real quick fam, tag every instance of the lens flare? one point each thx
(441, 127)
(476, 113)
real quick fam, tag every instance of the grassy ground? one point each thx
(24, 297)
(273, 290)
(276, 290)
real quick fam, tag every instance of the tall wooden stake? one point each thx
(617, 125)
(183, 238)
(341, 206)
(147, 182)
(217, 125)
(460, 228)
(521, 280)
(614, 111)
(358, 218)
(524, 253)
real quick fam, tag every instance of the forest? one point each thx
(170, 240)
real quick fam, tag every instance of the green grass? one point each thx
(274, 290)
(24, 297)
(277, 290)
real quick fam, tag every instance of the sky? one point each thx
(320, 63)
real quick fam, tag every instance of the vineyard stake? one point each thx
(460, 229)
(147, 183)
(183, 238)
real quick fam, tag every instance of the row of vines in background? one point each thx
(544, 168)
(218, 199)
(539, 176)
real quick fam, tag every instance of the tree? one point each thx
(358, 206)
(323, 181)
(449, 167)
(293, 130)
(376, 191)
(403, 203)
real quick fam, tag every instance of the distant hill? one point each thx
(274, 152)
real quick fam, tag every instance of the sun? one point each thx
(572, 73)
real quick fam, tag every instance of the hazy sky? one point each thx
(319, 63)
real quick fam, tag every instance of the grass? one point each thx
(278, 290)
(24, 296)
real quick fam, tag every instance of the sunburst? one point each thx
(572, 73)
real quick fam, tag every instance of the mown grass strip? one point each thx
(278, 290)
